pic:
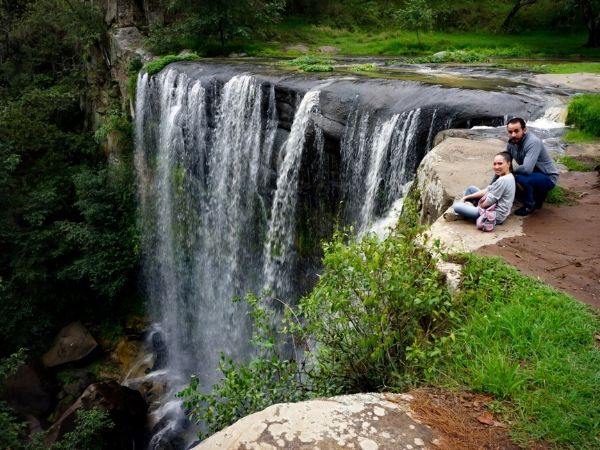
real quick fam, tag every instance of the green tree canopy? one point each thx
(416, 15)
(229, 19)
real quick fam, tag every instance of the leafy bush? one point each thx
(377, 315)
(90, 425)
(365, 67)
(312, 64)
(116, 122)
(153, 67)
(458, 56)
(584, 113)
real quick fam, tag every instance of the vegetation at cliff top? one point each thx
(159, 64)
(544, 29)
(532, 348)
(381, 319)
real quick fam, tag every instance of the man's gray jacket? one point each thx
(532, 156)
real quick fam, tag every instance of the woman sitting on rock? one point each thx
(490, 206)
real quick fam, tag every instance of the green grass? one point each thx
(365, 68)
(153, 67)
(533, 348)
(574, 67)
(561, 196)
(404, 43)
(576, 165)
(576, 136)
(584, 113)
(311, 63)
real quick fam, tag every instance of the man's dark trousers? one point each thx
(535, 188)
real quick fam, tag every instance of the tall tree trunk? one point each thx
(593, 36)
(513, 12)
(592, 23)
(221, 34)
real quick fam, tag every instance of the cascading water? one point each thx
(280, 235)
(223, 183)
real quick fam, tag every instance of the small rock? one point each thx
(74, 342)
(328, 49)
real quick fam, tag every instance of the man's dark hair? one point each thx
(515, 120)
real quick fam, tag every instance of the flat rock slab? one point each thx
(463, 236)
(360, 421)
(579, 81)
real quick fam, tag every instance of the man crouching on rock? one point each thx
(536, 173)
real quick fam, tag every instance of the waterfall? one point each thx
(224, 174)
(202, 212)
(281, 226)
(376, 163)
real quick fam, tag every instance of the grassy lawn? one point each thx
(396, 43)
(533, 349)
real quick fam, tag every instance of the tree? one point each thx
(590, 11)
(229, 19)
(416, 15)
(513, 12)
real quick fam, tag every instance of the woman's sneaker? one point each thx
(451, 216)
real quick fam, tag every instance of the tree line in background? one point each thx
(209, 25)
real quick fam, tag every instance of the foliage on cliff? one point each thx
(67, 234)
(376, 319)
(381, 319)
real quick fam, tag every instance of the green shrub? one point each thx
(584, 113)
(116, 122)
(134, 66)
(153, 67)
(459, 56)
(310, 63)
(365, 68)
(377, 316)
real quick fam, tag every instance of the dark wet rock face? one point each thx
(30, 390)
(125, 407)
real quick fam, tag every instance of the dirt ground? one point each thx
(561, 244)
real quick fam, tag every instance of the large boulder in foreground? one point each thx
(360, 421)
(74, 342)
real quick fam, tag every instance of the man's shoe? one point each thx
(451, 216)
(524, 211)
